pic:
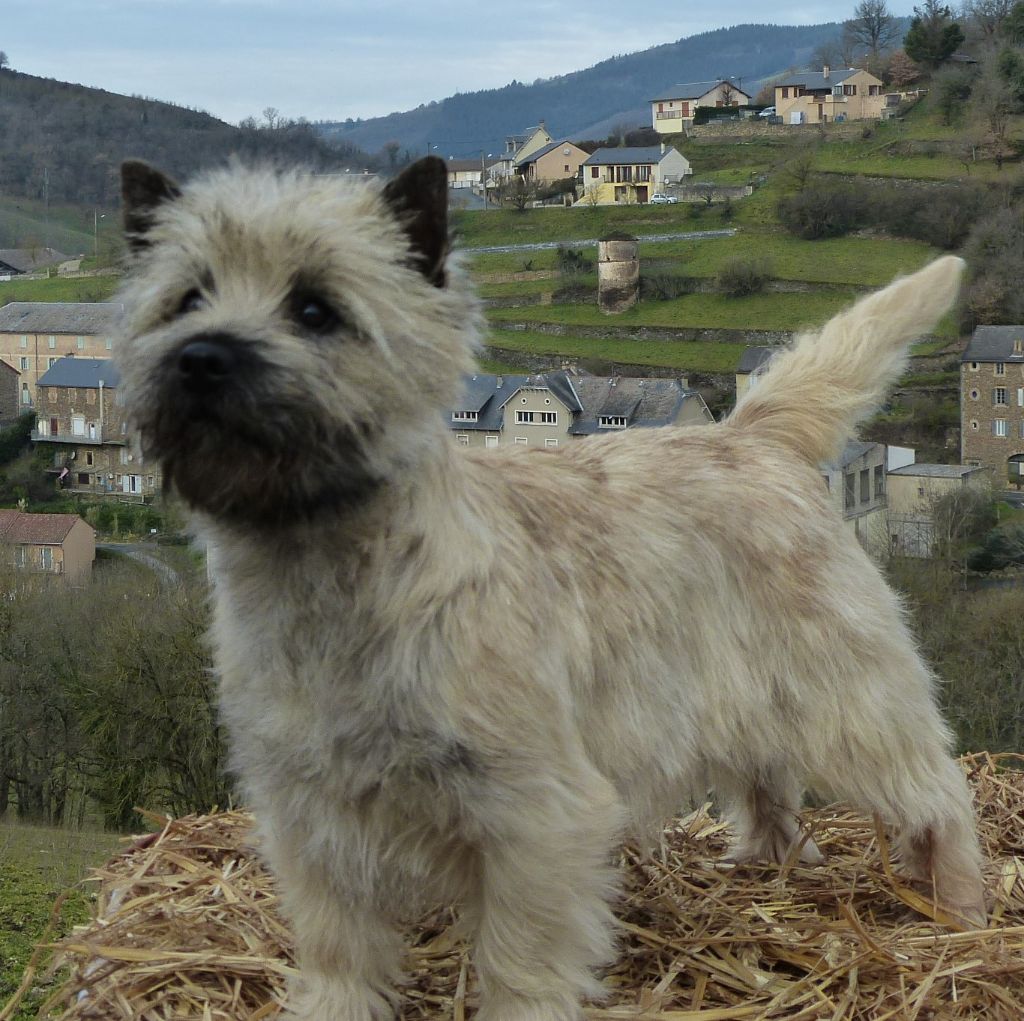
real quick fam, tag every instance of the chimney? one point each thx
(663, 148)
(824, 71)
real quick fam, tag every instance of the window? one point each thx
(465, 416)
(51, 342)
(999, 427)
(874, 90)
(595, 171)
(975, 395)
(462, 439)
(20, 556)
(548, 417)
(46, 558)
(80, 343)
(109, 344)
(490, 441)
(24, 365)
(78, 425)
(879, 480)
(611, 421)
(849, 491)
(51, 362)
(785, 93)
(83, 478)
(566, 168)
(524, 417)
(849, 90)
(89, 458)
(974, 424)
(26, 397)
(865, 485)
(551, 443)
(999, 395)
(1000, 368)
(519, 441)
(24, 341)
(1020, 397)
(51, 394)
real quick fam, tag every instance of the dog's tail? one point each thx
(812, 396)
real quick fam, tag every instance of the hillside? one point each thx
(64, 143)
(584, 103)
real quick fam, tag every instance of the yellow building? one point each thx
(841, 94)
(673, 109)
(631, 174)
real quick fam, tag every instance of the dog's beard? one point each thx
(244, 457)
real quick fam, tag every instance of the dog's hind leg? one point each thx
(541, 907)
(764, 812)
(891, 757)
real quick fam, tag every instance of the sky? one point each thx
(327, 60)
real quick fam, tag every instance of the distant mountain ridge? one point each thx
(586, 103)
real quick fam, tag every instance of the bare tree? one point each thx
(4, 61)
(983, 19)
(872, 26)
(272, 116)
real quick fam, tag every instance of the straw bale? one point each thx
(187, 929)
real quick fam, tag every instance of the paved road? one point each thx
(726, 232)
(143, 553)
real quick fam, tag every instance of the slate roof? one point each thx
(694, 90)
(644, 402)
(936, 471)
(82, 318)
(627, 154)
(542, 151)
(852, 450)
(40, 529)
(815, 81)
(84, 372)
(24, 260)
(994, 344)
(458, 165)
(754, 357)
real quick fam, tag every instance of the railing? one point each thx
(93, 436)
(669, 115)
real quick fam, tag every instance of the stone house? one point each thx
(752, 361)
(914, 491)
(631, 173)
(552, 162)
(53, 544)
(831, 94)
(554, 408)
(35, 334)
(80, 415)
(992, 402)
(673, 109)
(9, 387)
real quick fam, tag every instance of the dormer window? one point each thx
(612, 421)
(1018, 346)
(465, 416)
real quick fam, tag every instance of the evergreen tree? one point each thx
(933, 34)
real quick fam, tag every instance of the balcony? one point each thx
(92, 437)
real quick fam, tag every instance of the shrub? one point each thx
(572, 261)
(741, 277)
(664, 286)
(15, 438)
(1001, 548)
(824, 212)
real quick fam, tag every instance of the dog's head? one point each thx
(290, 339)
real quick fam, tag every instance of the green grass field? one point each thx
(682, 355)
(59, 289)
(37, 864)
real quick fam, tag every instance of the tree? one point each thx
(933, 34)
(4, 61)
(872, 26)
(1013, 24)
(902, 70)
(984, 18)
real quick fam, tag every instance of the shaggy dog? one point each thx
(462, 675)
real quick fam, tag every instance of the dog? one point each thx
(462, 676)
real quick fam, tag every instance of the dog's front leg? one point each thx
(346, 950)
(543, 923)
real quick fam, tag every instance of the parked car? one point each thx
(768, 111)
(660, 199)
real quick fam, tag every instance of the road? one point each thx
(143, 554)
(692, 235)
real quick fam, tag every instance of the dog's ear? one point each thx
(419, 198)
(143, 188)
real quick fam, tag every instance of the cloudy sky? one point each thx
(348, 58)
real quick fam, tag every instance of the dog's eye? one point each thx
(192, 302)
(315, 315)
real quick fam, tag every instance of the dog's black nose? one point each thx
(205, 365)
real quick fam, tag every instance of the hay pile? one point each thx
(187, 929)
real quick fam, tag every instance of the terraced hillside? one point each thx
(542, 312)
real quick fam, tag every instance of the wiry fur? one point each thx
(466, 681)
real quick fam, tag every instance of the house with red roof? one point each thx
(54, 544)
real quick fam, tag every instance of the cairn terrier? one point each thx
(462, 676)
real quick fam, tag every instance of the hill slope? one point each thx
(466, 123)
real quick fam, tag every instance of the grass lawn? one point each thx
(59, 289)
(683, 355)
(37, 864)
(783, 312)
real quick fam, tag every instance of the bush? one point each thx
(15, 438)
(664, 286)
(741, 277)
(824, 212)
(572, 261)
(1002, 547)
